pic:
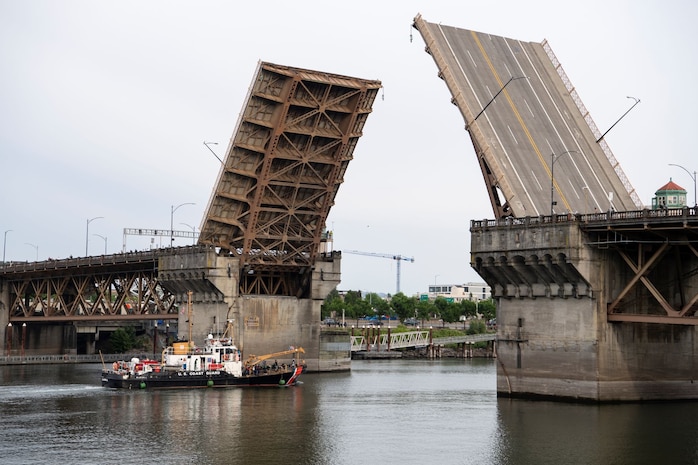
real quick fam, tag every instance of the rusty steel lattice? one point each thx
(66, 291)
(282, 170)
(652, 278)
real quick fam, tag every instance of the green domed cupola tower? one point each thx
(670, 195)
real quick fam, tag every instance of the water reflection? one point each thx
(387, 412)
(554, 433)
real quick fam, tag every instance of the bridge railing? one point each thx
(96, 260)
(411, 339)
(472, 338)
(685, 214)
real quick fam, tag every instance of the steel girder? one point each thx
(119, 286)
(132, 295)
(656, 271)
(282, 170)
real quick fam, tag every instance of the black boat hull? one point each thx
(201, 379)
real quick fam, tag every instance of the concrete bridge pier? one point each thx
(262, 323)
(599, 313)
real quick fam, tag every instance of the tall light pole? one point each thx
(172, 210)
(214, 153)
(4, 244)
(553, 159)
(492, 99)
(585, 189)
(105, 242)
(36, 248)
(622, 116)
(87, 231)
(693, 176)
(193, 231)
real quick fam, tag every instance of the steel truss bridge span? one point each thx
(108, 287)
(281, 172)
(390, 341)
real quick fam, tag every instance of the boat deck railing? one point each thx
(83, 358)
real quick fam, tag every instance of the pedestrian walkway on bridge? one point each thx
(373, 341)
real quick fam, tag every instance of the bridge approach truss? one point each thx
(108, 287)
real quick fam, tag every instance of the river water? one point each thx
(382, 412)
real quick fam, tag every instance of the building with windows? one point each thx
(670, 195)
(458, 292)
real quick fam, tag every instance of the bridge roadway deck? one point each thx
(411, 339)
(522, 113)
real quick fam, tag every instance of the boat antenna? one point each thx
(189, 314)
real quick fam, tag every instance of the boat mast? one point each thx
(189, 318)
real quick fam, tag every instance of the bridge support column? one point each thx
(262, 323)
(5, 314)
(556, 337)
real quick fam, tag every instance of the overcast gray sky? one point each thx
(104, 107)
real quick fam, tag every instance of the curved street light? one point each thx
(617, 121)
(36, 248)
(87, 232)
(492, 99)
(4, 244)
(585, 189)
(172, 210)
(105, 242)
(553, 159)
(693, 176)
(214, 153)
(193, 231)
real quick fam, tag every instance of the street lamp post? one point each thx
(585, 189)
(492, 99)
(155, 337)
(693, 176)
(24, 337)
(193, 231)
(214, 153)
(87, 232)
(4, 244)
(553, 159)
(36, 248)
(628, 111)
(105, 242)
(9, 338)
(172, 210)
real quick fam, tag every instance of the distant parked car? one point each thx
(411, 322)
(330, 321)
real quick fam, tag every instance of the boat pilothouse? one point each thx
(217, 354)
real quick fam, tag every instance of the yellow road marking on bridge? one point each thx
(518, 117)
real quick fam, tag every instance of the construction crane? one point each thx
(397, 258)
(253, 360)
